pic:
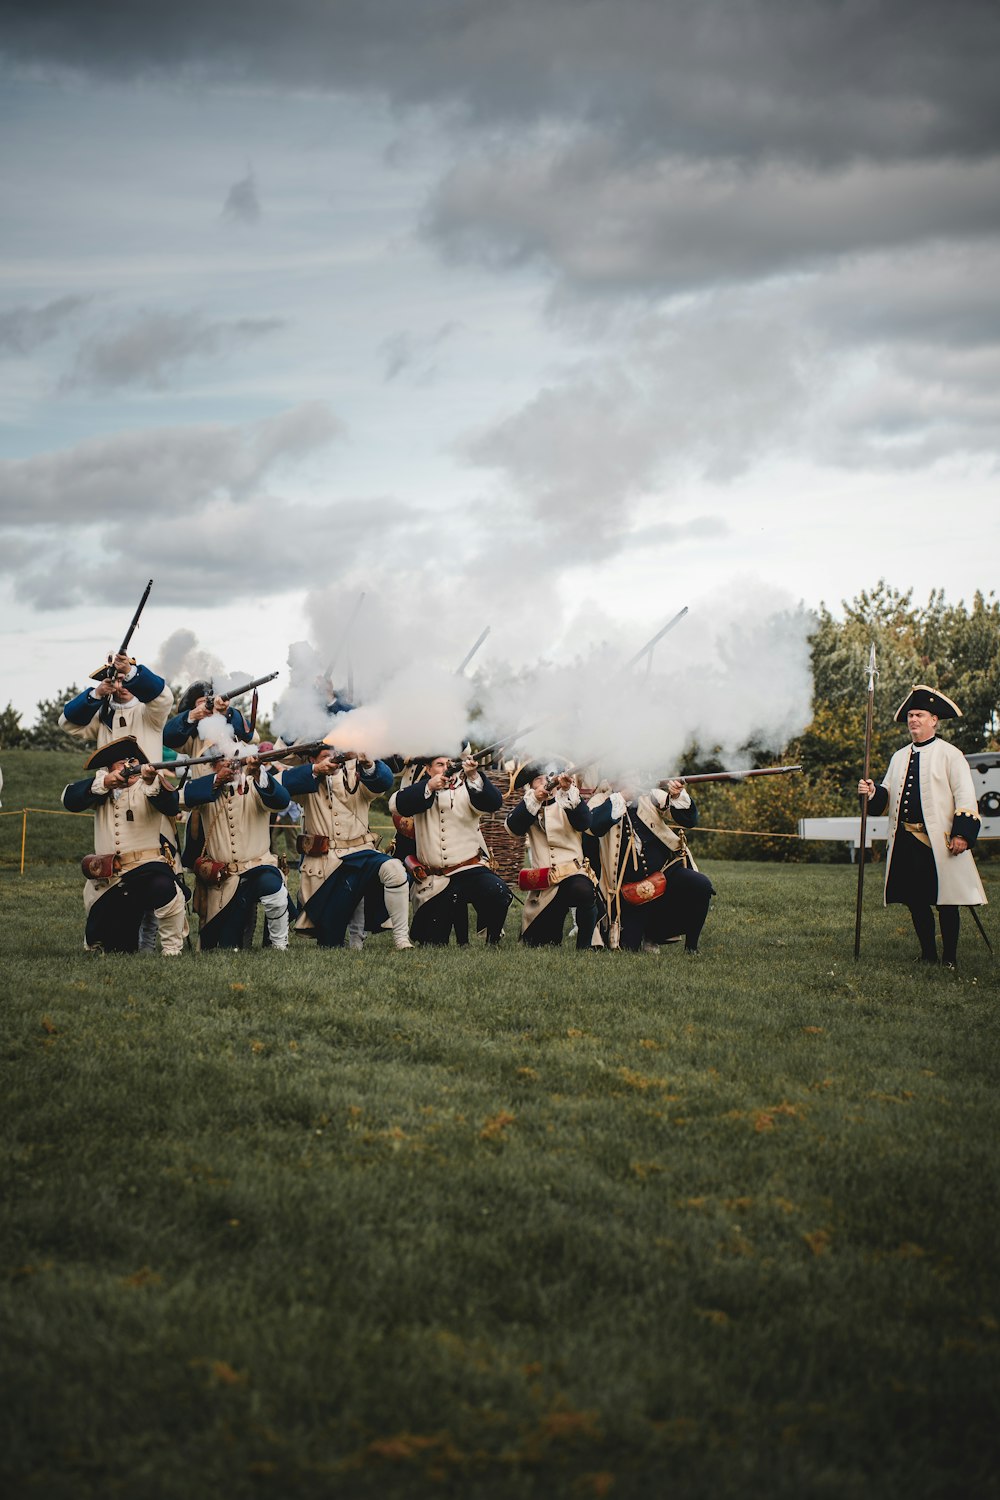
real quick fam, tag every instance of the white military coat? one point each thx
(946, 789)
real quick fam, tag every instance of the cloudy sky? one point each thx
(551, 315)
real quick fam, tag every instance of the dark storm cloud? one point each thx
(678, 228)
(809, 80)
(25, 329)
(175, 472)
(149, 350)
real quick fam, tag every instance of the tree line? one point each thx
(953, 647)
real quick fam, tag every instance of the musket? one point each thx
(872, 674)
(648, 647)
(132, 768)
(107, 672)
(728, 775)
(218, 757)
(471, 653)
(246, 687)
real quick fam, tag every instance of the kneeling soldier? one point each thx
(452, 860)
(553, 818)
(339, 857)
(652, 888)
(132, 869)
(229, 848)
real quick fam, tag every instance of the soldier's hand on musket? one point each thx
(675, 786)
(470, 768)
(122, 663)
(104, 688)
(866, 788)
(540, 787)
(201, 710)
(564, 781)
(148, 774)
(250, 764)
(437, 782)
(225, 773)
(122, 775)
(326, 763)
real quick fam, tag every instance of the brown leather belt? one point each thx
(467, 864)
(144, 857)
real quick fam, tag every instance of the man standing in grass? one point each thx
(340, 859)
(653, 890)
(132, 869)
(933, 825)
(452, 857)
(229, 848)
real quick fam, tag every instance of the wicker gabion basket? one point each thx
(506, 849)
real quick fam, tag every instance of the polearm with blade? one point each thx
(869, 716)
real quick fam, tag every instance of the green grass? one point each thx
(511, 1224)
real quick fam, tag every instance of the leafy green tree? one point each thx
(13, 735)
(948, 646)
(46, 734)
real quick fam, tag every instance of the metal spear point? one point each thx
(872, 674)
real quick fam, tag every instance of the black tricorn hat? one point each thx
(929, 699)
(551, 766)
(127, 748)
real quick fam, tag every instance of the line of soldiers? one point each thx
(636, 871)
(618, 860)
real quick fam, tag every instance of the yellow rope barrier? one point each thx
(22, 813)
(746, 833)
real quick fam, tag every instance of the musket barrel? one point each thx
(246, 687)
(135, 619)
(729, 775)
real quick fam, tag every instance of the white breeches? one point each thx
(276, 913)
(173, 925)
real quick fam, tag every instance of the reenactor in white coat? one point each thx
(134, 702)
(653, 890)
(133, 868)
(553, 818)
(340, 857)
(229, 848)
(933, 825)
(451, 866)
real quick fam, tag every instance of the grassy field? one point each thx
(502, 1224)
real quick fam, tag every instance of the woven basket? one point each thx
(506, 849)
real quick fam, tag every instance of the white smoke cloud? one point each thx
(413, 714)
(734, 671)
(182, 660)
(738, 673)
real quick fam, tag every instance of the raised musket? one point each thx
(108, 671)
